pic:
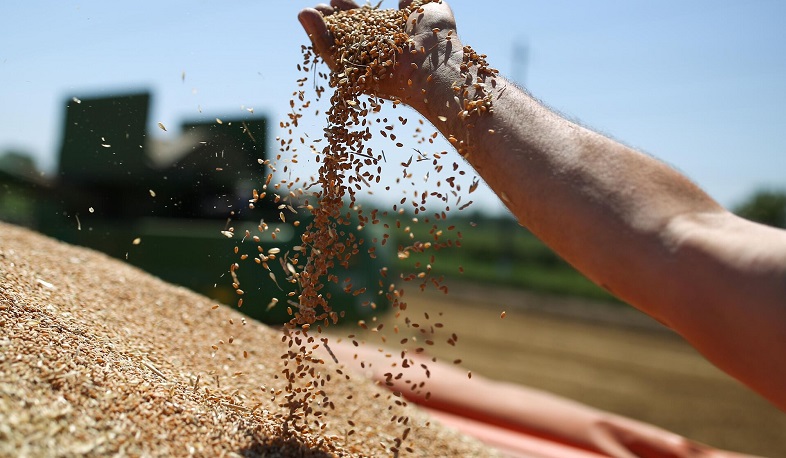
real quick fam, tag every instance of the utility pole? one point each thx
(520, 61)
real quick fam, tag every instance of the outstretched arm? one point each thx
(627, 221)
(517, 408)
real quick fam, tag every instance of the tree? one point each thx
(19, 163)
(766, 207)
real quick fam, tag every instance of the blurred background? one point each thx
(136, 128)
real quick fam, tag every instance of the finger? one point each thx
(317, 30)
(315, 27)
(344, 4)
(325, 9)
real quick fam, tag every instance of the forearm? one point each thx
(632, 225)
(602, 206)
(518, 408)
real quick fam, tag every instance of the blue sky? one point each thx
(700, 84)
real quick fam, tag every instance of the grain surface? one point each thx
(99, 358)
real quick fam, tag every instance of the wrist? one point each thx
(456, 93)
(435, 95)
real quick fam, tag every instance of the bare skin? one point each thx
(522, 409)
(625, 220)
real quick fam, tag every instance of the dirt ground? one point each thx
(608, 356)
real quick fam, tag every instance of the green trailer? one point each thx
(166, 206)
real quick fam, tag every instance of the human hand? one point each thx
(432, 40)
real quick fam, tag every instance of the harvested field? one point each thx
(610, 357)
(99, 358)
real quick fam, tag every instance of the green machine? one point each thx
(167, 206)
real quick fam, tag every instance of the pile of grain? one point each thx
(98, 358)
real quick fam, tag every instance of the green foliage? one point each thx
(493, 251)
(766, 207)
(19, 163)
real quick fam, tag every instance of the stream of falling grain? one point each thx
(368, 43)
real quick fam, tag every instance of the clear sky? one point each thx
(699, 84)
